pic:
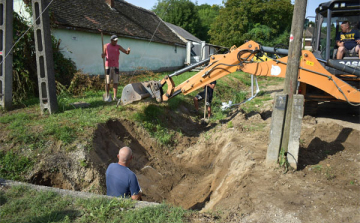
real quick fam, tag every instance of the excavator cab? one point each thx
(329, 17)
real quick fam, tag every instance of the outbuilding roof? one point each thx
(123, 19)
(183, 33)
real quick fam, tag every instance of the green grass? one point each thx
(35, 206)
(68, 123)
(255, 103)
(150, 118)
(14, 166)
(255, 127)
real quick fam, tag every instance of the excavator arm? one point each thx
(310, 72)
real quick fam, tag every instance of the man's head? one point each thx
(114, 39)
(125, 156)
(345, 27)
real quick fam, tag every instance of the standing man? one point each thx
(112, 54)
(210, 90)
(348, 40)
(120, 180)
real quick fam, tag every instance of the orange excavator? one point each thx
(322, 77)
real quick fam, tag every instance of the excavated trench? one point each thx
(216, 166)
(186, 175)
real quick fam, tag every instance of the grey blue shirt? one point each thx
(121, 181)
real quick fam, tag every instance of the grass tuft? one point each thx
(14, 166)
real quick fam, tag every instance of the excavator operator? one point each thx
(348, 40)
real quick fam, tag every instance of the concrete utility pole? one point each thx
(6, 41)
(44, 57)
(292, 70)
(285, 131)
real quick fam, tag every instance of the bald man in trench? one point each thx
(120, 180)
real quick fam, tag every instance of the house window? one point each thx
(74, 38)
(175, 49)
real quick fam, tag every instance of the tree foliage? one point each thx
(182, 13)
(207, 14)
(265, 21)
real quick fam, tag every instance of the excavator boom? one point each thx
(311, 72)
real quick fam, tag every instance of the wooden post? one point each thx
(292, 69)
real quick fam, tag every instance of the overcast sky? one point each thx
(148, 4)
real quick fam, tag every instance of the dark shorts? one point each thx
(201, 96)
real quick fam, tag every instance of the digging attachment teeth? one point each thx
(138, 91)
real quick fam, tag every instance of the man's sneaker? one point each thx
(115, 99)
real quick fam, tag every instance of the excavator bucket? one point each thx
(138, 91)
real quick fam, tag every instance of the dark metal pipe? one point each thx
(176, 73)
(274, 50)
(349, 70)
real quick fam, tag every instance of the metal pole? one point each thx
(205, 101)
(252, 85)
(328, 30)
(292, 69)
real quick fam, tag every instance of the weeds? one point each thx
(255, 127)
(329, 173)
(14, 166)
(83, 163)
(151, 121)
(51, 207)
(318, 168)
(159, 213)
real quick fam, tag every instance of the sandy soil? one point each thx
(217, 168)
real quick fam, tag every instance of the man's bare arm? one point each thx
(211, 85)
(136, 196)
(125, 51)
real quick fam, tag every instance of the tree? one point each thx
(265, 21)
(182, 13)
(207, 14)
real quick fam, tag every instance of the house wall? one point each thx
(85, 50)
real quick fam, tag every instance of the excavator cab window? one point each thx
(329, 16)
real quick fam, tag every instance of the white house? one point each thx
(307, 38)
(78, 25)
